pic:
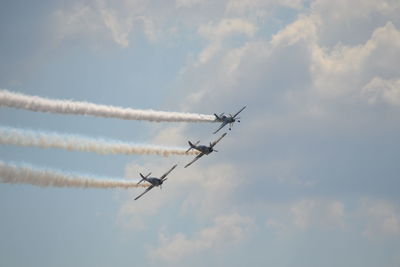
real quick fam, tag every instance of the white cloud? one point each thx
(286, 171)
(352, 22)
(208, 52)
(374, 218)
(380, 90)
(260, 8)
(308, 214)
(104, 19)
(312, 212)
(302, 212)
(212, 189)
(226, 28)
(187, 3)
(304, 27)
(344, 70)
(79, 19)
(227, 230)
(92, 21)
(119, 27)
(382, 218)
(216, 34)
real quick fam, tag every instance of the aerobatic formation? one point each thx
(25, 174)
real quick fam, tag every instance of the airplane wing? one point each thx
(196, 158)
(220, 127)
(147, 190)
(165, 174)
(219, 139)
(239, 111)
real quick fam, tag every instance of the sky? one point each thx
(310, 177)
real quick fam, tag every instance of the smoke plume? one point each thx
(20, 137)
(24, 174)
(35, 103)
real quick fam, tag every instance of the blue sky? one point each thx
(310, 176)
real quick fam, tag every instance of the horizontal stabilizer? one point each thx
(144, 177)
(192, 146)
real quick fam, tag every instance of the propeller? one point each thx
(162, 181)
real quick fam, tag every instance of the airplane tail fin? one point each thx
(143, 177)
(192, 146)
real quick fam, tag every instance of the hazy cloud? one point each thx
(382, 218)
(227, 230)
(308, 214)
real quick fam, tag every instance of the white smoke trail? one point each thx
(20, 137)
(35, 103)
(13, 174)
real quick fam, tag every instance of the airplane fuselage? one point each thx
(227, 119)
(154, 181)
(230, 120)
(204, 149)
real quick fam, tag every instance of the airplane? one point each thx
(227, 119)
(204, 150)
(154, 181)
